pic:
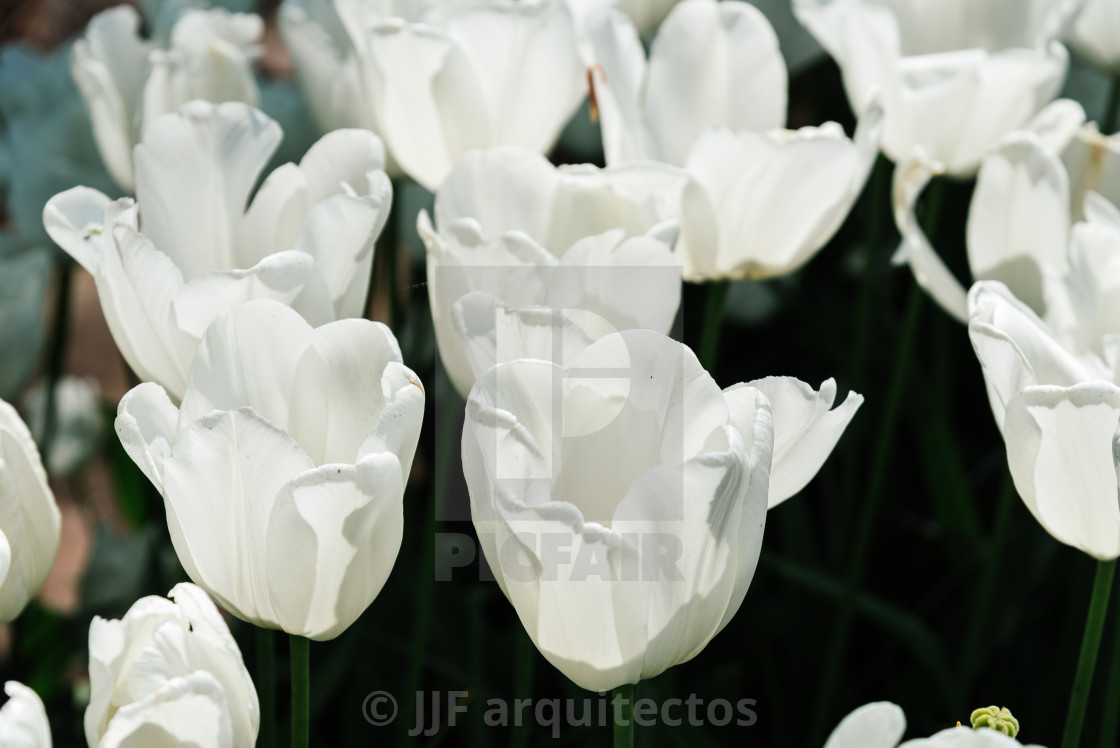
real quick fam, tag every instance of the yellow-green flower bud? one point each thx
(996, 718)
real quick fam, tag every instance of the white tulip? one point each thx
(283, 470)
(711, 64)
(1054, 386)
(29, 518)
(882, 724)
(620, 497)
(192, 246)
(128, 80)
(516, 228)
(1030, 190)
(956, 76)
(169, 674)
(23, 720)
(762, 204)
(441, 79)
(1095, 34)
(646, 15)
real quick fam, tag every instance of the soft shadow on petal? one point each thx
(190, 710)
(1060, 448)
(146, 425)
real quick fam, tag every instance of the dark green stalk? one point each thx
(301, 691)
(713, 323)
(266, 687)
(1110, 719)
(524, 658)
(623, 707)
(56, 357)
(1087, 662)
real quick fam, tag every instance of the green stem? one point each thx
(879, 198)
(622, 703)
(713, 322)
(57, 356)
(904, 355)
(982, 606)
(1112, 113)
(1110, 721)
(266, 687)
(301, 691)
(447, 406)
(1087, 662)
(523, 661)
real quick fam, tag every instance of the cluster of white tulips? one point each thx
(280, 425)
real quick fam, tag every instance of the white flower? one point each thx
(518, 229)
(77, 421)
(646, 15)
(128, 81)
(29, 517)
(23, 720)
(956, 76)
(619, 497)
(881, 725)
(169, 673)
(711, 63)
(1030, 190)
(191, 245)
(762, 204)
(283, 471)
(1096, 34)
(443, 79)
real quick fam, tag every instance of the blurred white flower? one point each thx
(1095, 34)
(283, 470)
(23, 720)
(620, 496)
(128, 80)
(441, 79)
(192, 246)
(956, 76)
(516, 228)
(1030, 190)
(77, 425)
(169, 673)
(711, 64)
(23, 285)
(646, 15)
(29, 517)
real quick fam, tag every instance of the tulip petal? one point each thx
(1060, 448)
(712, 64)
(877, 725)
(333, 536)
(222, 538)
(247, 359)
(1019, 219)
(188, 711)
(109, 65)
(618, 82)
(146, 424)
(194, 173)
(929, 270)
(23, 719)
(806, 429)
(347, 362)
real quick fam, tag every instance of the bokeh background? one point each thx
(908, 570)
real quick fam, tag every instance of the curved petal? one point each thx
(247, 359)
(1096, 35)
(929, 270)
(146, 425)
(617, 77)
(109, 65)
(23, 719)
(806, 428)
(730, 48)
(1063, 453)
(880, 724)
(333, 536)
(188, 711)
(1019, 218)
(220, 483)
(195, 170)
